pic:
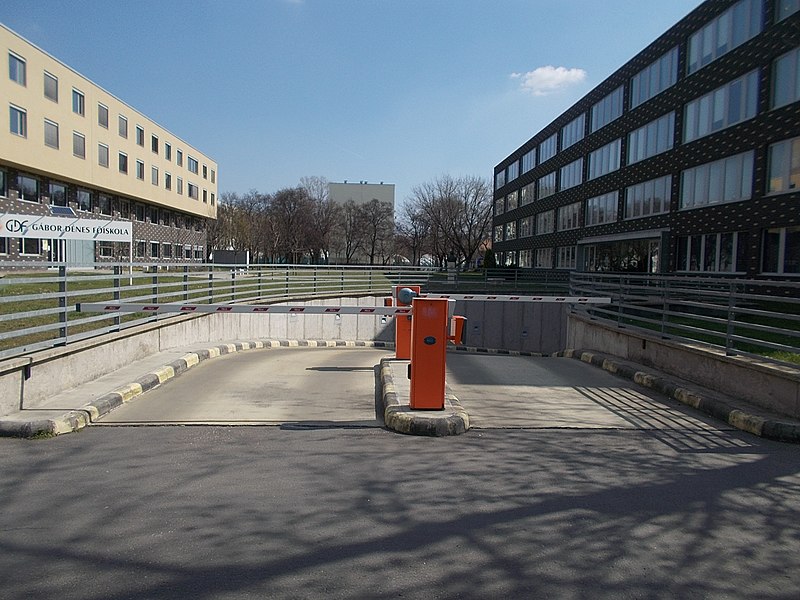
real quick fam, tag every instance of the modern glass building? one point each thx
(686, 159)
(71, 149)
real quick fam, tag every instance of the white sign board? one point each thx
(65, 228)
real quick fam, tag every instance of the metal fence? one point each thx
(37, 308)
(742, 316)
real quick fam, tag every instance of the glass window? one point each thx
(17, 70)
(31, 246)
(154, 175)
(3, 184)
(213, 176)
(154, 143)
(102, 115)
(527, 194)
(138, 212)
(512, 172)
(84, 198)
(18, 121)
(786, 8)
(123, 126)
(547, 185)
(732, 103)
(102, 155)
(571, 174)
(499, 206)
(498, 233)
(601, 209)
(167, 181)
(648, 198)
(50, 134)
(511, 230)
(566, 257)
(192, 164)
(784, 166)
(545, 222)
(573, 132)
(651, 139)
(78, 145)
(139, 170)
(58, 194)
(167, 151)
(140, 135)
(659, 75)
(123, 163)
(605, 160)
(528, 161)
(569, 216)
(104, 202)
(28, 188)
(154, 249)
(711, 252)
(179, 185)
(50, 87)
(192, 190)
(726, 180)
(729, 30)
(781, 251)
(179, 157)
(512, 200)
(786, 79)
(607, 110)
(499, 179)
(548, 148)
(544, 258)
(526, 227)
(78, 102)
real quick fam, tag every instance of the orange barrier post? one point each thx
(429, 334)
(402, 325)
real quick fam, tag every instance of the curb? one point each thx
(773, 428)
(453, 420)
(77, 419)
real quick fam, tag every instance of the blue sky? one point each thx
(400, 91)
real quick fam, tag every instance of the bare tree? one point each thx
(290, 213)
(325, 217)
(350, 237)
(412, 233)
(378, 220)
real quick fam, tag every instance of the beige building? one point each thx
(69, 143)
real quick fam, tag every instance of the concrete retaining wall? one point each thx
(770, 386)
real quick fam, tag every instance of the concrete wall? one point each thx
(770, 386)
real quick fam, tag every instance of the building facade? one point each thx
(71, 149)
(685, 160)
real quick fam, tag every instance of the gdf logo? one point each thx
(15, 225)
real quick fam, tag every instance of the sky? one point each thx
(394, 91)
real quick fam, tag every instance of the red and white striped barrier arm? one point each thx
(503, 298)
(117, 307)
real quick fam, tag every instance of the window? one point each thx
(711, 252)
(648, 198)
(781, 253)
(213, 176)
(192, 191)
(102, 115)
(726, 180)
(499, 179)
(50, 87)
(138, 212)
(786, 79)
(139, 170)
(179, 188)
(138, 248)
(166, 250)
(499, 206)
(528, 161)
(525, 259)
(566, 257)
(571, 174)
(3, 187)
(784, 166)
(212, 198)
(719, 36)
(607, 110)
(123, 127)
(544, 258)
(58, 194)
(51, 134)
(605, 160)
(511, 230)
(3, 245)
(526, 227)
(192, 164)
(651, 139)
(17, 69)
(601, 209)
(167, 181)
(527, 194)
(140, 135)
(656, 77)
(179, 157)
(573, 132)
(28, 188)
(84, 198)
(512, 200)
(512, 172)
(205, 196)
(154, 249)
(167, 150)
(78, 145)
(548, 148)
(102, 155)
(569, 216)
(786, 8)
(154, 175)
(104, 202)
(547, 185)
(727, 105)
(123, 163)
(154, 143)
(498, 233)
(19, 121)
(105, 249)
(545, 222)
(31, 247)
(78, 102)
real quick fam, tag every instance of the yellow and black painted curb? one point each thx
(75, 420)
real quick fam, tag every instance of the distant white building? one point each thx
(362, 192)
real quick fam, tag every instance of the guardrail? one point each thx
(741, 316)
(37, 308)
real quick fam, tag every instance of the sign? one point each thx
(65, 228)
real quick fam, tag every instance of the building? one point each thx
(372, 239)
(71, 150)
(686, 159)
(362, 192)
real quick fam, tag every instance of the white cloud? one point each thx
(549, 79)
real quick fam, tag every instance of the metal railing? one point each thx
(740, 316)
(37, 308)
